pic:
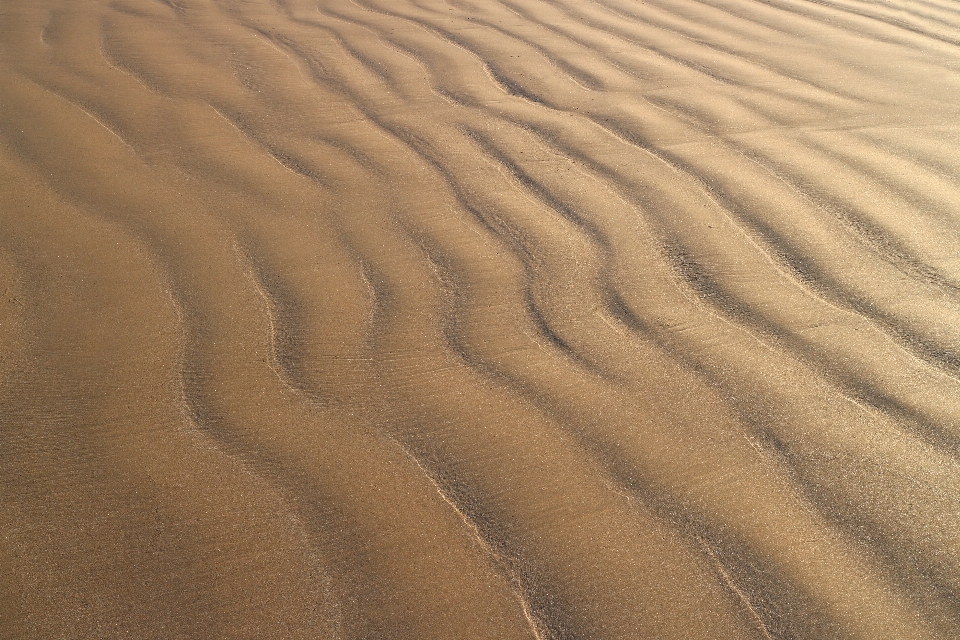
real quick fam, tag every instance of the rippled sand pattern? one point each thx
(480, 319)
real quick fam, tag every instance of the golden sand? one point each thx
(480, 319)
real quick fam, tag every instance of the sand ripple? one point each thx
(426, 319)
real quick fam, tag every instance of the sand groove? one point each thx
(462, 319)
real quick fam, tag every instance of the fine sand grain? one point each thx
(480, 319)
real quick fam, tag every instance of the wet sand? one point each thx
(436, 319)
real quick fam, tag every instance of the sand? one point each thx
(480, 319)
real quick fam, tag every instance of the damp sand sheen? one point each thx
(480, 319)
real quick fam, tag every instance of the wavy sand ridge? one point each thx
(479, 319)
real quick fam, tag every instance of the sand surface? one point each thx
(480, 319)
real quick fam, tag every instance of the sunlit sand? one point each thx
(480, 319)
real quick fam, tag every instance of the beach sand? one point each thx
(480, 319)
